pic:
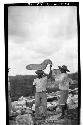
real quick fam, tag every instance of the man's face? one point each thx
(39, 75)
(63, 71)
(56, 72)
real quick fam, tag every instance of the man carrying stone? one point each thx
(40, 96)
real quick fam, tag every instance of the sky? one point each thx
(38, 33)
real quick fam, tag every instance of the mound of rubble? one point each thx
(25, 119)
(24, 108)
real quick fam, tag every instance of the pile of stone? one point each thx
(26, 105)
(23, 115)
(20, 107)
(72, 101)
(25, 119)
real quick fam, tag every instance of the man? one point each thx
(64, 88)
(40, 96)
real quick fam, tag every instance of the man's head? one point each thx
(63, 69)
(39, 73)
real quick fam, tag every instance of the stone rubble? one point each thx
(24, 113)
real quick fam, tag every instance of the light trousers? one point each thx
(40, 103)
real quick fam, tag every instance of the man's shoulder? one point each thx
(36, 79)
(64, 75)
(45, 77)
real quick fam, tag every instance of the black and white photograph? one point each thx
(43, 64)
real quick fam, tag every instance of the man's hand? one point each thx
(50, 74)
(50, 65)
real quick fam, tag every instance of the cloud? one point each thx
(27, 24)
(37, 33)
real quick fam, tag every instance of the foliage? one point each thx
(21, 85)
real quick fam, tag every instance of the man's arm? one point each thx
(33, 87)
(70, 81)
(50, 73)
